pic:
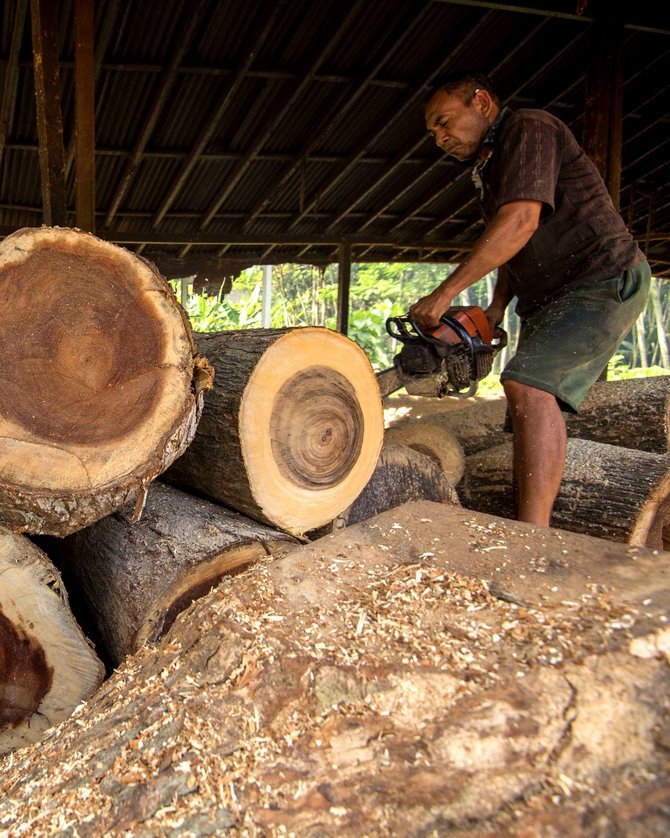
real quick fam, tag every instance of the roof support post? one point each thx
(44, 17)
(84, 73)
(604, 93)
(343, 284)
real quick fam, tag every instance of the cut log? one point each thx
(417, 674)
(607, 491)
(634, 413)
(47, 666)
(100, 386)
(436, 441)
(134, 578)
(477, 426)
(402, 474)
(291, 432)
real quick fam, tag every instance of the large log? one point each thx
(291, 432)
(432, 671)
(100, 382)
(607, 491)
(633, 413)
(47, 666)
(133, 578)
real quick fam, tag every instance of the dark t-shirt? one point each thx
(581, 236)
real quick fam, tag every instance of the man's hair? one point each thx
(464, 85)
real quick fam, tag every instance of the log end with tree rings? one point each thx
(101, 384)
(47, 666)
(311, 427)
(435, 441)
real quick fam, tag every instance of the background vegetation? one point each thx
(304, 295)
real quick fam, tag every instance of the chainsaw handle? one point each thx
(403, 328)
(499, 339)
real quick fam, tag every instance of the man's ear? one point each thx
(483, 101)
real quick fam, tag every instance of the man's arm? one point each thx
(510, 230)
(502, 296)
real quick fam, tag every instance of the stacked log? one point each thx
(137, 576)
(47, 666)
(607, 491)
(292, 429)
(402, 474)
(101, 384)
(437, 442)
(633, 413)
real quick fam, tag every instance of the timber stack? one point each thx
(103, 392)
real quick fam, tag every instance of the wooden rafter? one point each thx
(48, 106)
(84, 116)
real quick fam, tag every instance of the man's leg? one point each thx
(540, 440)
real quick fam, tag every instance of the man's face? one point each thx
(457, 127)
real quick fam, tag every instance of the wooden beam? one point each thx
(602, 130)
(84, 116)
(343, 284)
(44, 14)
(9, 92)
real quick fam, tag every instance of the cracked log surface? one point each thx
(100, 383)
(431, 671)
(291, 431)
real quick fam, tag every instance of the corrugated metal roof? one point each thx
(249, 129)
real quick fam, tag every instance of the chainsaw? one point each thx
(450, 360)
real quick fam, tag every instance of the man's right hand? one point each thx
(427, 311)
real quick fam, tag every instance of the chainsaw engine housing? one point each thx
(452, 359)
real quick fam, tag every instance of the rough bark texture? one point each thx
(133, 579)
(634, 413)
(291, 432)
(47, 666)
(101, 384)
(402, 474)
(431, 671)
(607, 491)
(437, 442)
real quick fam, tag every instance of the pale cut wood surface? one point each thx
(291, 432)
(47, 665)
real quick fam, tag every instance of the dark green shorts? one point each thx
(566, 345)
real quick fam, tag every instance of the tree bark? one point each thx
(402, 474)
(100, 384)
(47, 666)
(607, 491)
(133, 579)
(633, 413)
(291, 432)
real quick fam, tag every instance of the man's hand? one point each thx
(427, 311)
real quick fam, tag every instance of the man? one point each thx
(560, 247)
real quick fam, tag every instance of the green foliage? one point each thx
(617, 369)
(304, 295)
